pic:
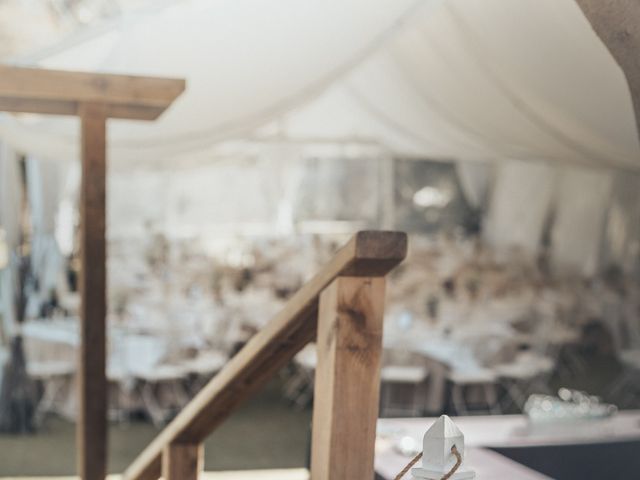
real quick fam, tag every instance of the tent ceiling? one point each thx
(26, 25)
(450, 85)
(481, 79)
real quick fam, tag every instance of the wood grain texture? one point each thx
(58, 107)
(92, 380)
(56, 92)
(80, 87)
(366, 254)
(617, 23)
(347, 382)
(182, 461)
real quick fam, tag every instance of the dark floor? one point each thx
(265, 433)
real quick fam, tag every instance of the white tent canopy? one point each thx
(526, 84)
(245, 62)
(459, 79)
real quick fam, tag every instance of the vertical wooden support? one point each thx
(182, 461)
(347, 380)
(617, 23)
(92, 381)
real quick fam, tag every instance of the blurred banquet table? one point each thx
(137, 367)
(581, 449)
(496, 431)
(442, 356)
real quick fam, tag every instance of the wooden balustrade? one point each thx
(95, 98)
(342, 306)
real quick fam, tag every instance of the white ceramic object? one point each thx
(437, 458)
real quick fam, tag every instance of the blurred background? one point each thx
(500, 135)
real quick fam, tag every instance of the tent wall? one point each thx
(10, 207)
(582, 203)
(519, 206)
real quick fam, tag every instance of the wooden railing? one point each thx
(342, 309)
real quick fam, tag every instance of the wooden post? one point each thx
(93, 97)
(347, 380)
(92, 381)
(182, 461)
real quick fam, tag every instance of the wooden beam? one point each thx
(135, 112)
(57, 107)
(92, 421)
(367, 254)
(617, 23)
(182, 461)
(20, 82)
(47, 107)
(347, 380)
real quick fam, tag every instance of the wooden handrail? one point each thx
(368, 254)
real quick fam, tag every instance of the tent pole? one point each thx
(92, 422)
(617, 23)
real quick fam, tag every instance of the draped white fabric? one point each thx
(583, 199)
(10, 192)
(622, 231)
(463, 79)
(245, 61)
(475, 180)
(277, 190)
(524, 81)
(45, 182)
(576, 200)
(519, 206)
